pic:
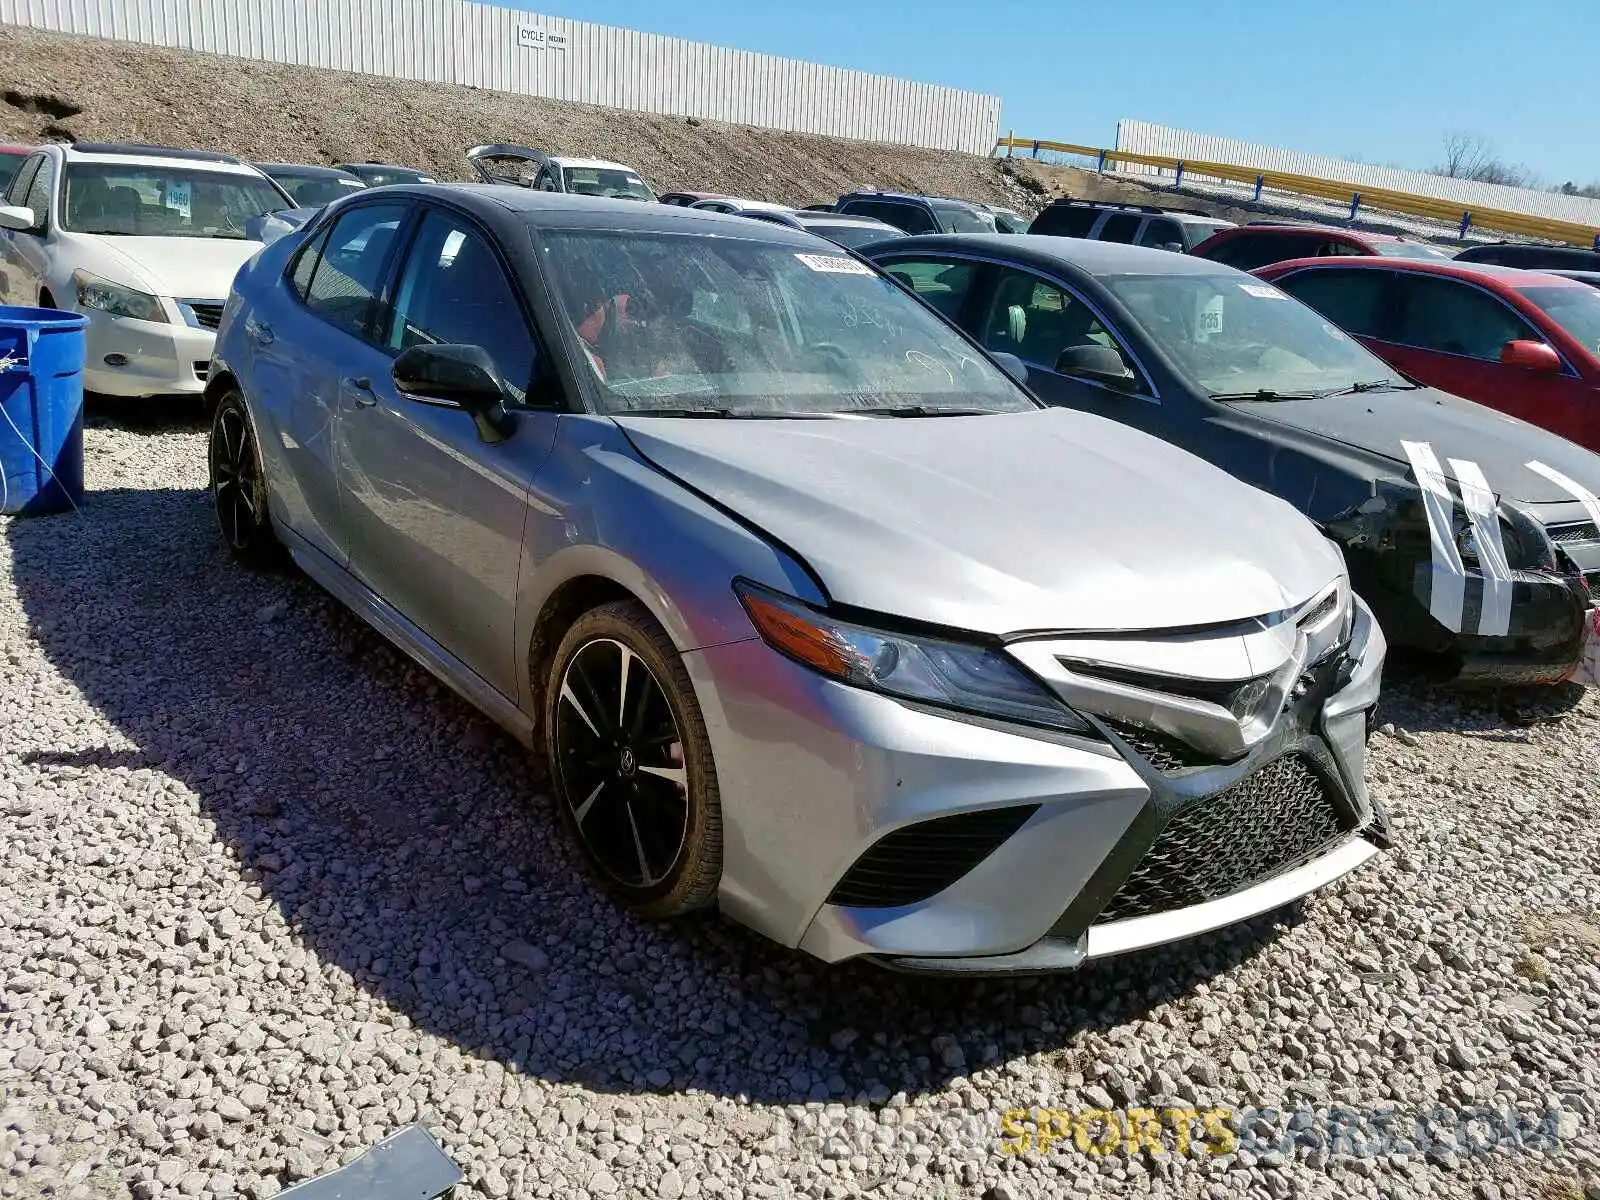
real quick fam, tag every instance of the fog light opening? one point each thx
(116, 360)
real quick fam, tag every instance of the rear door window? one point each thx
(912, 218)
(1251, 250)
(1158, 232)
(348, 279)
(1066, 220)
(1352, 300)
(941, 284)
(1119, 227)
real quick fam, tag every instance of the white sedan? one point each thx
(142, 240)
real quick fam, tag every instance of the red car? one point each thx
(1523, 342)
(1250, 246)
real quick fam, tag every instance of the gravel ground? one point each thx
(268, 894)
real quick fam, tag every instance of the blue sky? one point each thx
(1383, 79)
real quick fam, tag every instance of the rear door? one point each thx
(300, 336)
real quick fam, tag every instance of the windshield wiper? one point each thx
(912, 410)
(728, 414)
(1375, 385)
(1268, 394)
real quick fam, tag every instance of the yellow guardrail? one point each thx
(1465, 218)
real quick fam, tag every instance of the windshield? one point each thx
(10, 162)
(1409, 250)
(964, 220)
(605, 181)
(701, 324)
(851, 236)
(313, 191)
(1575, 309)
(1234, 335)
(139, 200)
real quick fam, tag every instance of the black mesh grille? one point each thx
(1164, 753)
(1272, 820)
(1580, 531)
(207, 314)
(911, 864)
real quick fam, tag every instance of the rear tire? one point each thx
(239, 485)
(630, 762)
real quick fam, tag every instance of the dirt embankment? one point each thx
(60, 87)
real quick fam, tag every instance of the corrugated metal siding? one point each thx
(461, 41)
(1140, 137)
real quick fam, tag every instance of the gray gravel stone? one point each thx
(237, 944)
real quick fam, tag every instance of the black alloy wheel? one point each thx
(631, 762)
(238, 486)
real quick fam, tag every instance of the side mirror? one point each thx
(14, 216)
(459, 377)
(1011, 365)
(1529, 355)
(1175, 247)
(1097, 364)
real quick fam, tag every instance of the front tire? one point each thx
(239, 485)
(630, 762)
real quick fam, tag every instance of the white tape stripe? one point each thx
(1590, 502)
(1495, 618)
(1447, 589)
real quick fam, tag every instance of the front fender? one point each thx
(598, 510)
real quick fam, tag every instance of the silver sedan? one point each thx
(817, 615)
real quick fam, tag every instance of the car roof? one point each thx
(1047, 252)
(307, 170)
(1491, 275)
(808, 217)
(141, 154)
(1359, 235)
(931, 201)
(567, 210)
(14, 148)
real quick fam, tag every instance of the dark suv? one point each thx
(1533, 258)
(1136, 224)
(919, 214)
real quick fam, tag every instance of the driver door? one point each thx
(435, 513)
(1040, 322)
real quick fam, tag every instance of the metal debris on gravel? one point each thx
(268, 894)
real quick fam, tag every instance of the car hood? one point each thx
(185, 267)
(1502, 446)
(1043, 520)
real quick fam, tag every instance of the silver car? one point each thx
(816, 614)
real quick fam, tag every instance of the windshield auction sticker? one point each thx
(834, 264)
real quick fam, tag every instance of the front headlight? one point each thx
(950, 674)
(116, 299)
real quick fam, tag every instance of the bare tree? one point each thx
(1464, 155)
(1472, 156)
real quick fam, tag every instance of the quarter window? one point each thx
(1456, 318)
(1066, 220)
(941, 285)
(453, 290)
(1352, 300)
(347, 281)
(38, 197)
(1038, 322)
(23, 180)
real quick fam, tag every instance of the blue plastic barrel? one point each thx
(41, 410)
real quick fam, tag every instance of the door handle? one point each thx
(262, 334)
(361, 388)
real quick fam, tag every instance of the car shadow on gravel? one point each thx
(148, 415)
(407, 842)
